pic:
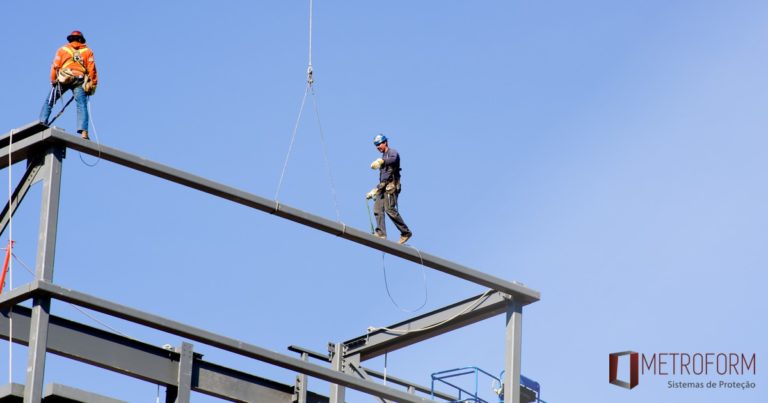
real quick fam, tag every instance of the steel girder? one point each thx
(36, 139)
(519, 292)
(428, 325)
(42, 289)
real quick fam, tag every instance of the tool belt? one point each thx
(392, 187)
(68, 77)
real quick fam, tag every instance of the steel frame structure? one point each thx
(182, 371)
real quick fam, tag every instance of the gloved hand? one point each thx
(377, 164)
(91, 91)
(372, 193)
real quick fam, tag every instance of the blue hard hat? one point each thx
(380, 138)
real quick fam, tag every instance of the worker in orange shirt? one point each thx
(73, 69)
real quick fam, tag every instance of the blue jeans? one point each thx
(80, 98)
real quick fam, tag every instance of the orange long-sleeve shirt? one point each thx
(63, 56)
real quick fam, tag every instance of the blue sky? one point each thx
(611, 155)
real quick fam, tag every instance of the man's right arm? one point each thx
(57, 61)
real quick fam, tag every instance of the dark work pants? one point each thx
(387, 202)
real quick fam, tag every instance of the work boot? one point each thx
(405, 237)
(84, 135)
(377, 235)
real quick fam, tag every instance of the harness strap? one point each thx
(74, 57)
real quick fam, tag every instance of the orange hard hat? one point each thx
(76, 36)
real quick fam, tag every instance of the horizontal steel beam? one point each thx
(519, 292)
(53, 392)
(428, 325)
(144, 361)
(45, 289)
(26, 139)
(376, 374)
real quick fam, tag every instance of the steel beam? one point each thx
(513, 339)
(337, 363)
(26, 181)
(54, 393)
(46, 248)
(18, 294)
(184, 379)
(26, 140)
(36, 134)
(356, 369)
(146, 362)
(62, 393)
(301, 385)
(224, 343)
(519, 292)
(426, 326)
(412, 387)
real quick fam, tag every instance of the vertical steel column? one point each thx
(46, 248)
(185, 373)
(513, 341)
(337, 363)
(300, 388)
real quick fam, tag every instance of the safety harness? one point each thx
(66, 75)
(69, 78)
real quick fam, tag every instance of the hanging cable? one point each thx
(470, 307)
(57, 94)
(93, 318)
(384, 270)
(307, 89)
(96, 135)
(10, 263)
(325, 155)
(385, 367)
(389, 294)
(310, 79)
(290, 145)
(370, 218)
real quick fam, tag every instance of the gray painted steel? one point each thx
(41, 288)
(184, 383)
(30, 141)
(146, 362)
(412, 387)
(356, 369)
(60, 392)
(46, 250)
(519, 292)
(26, 140)
(30, 176)
(436, 323)
(337, 363)
(53, 393)
(301, 385)
(11, 393)
(514, 349)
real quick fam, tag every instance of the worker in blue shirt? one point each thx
(386, 192)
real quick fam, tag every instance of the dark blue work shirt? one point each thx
(391, 168)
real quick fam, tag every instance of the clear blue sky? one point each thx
(610, 154)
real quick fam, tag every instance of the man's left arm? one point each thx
(90, 66)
